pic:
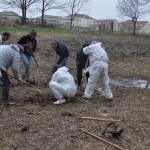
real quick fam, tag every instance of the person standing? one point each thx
(98, 69)
(82, 63)
(4, 37)
(62, 85)
(63, 53)
(29, 43)
(9, 57)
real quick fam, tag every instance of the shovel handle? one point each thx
(22, 81)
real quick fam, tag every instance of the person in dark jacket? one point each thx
(63, 53)
(29, 43)
(82, 63)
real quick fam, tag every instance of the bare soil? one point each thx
(35, 123)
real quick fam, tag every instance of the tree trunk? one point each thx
(24, 12)
(71, 21)
(42, 19)
(72, 15)
(134, 27)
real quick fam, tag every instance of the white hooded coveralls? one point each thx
(98, 69)
(62, 84)
(1, 41)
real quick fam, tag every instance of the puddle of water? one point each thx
(130, 83)
(143, 84)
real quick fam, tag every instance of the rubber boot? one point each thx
(0, 95)
(5, 98)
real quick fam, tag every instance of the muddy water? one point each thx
(130, 83)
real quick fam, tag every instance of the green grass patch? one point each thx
(75, 31)
(26, 29)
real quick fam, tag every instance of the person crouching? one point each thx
(62, 85)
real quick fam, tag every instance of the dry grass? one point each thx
(36, 124)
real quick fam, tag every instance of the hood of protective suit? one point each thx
(96, 53)
(99, 43)
(15, 47)
(64, 69)
(94, 42)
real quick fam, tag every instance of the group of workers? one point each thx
(91, 60)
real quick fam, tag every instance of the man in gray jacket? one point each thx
(9, 57)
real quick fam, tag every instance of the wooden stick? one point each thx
(92, 118)
(103, 140)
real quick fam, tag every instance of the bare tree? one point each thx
(74, 7)
(49, 5)
(18, 4)
(132, 9)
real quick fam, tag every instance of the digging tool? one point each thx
(29, 48)
(82, 80)
(35, 61)
(35, 88)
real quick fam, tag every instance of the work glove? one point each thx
(84, 72)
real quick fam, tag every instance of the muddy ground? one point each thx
(35, 123)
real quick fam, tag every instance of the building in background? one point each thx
(142, 27)
(80, 20)
(9, 16)
(107, 25)
(50, 20)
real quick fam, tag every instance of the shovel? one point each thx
(35, 88)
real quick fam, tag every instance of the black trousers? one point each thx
(79, 74)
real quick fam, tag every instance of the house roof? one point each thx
(49, 17)
(106, 21)
(129, 24)
(8, 13)
(83, 16)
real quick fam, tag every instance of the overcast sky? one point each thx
(98, 9)
(106, 9)
(103, 9)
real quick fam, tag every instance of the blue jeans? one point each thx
(63, 63)
(26, 61)
(5, 79)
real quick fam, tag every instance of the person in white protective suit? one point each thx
(98, 69)
(62, 85)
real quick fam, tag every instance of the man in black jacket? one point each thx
(29, 43)
(63, 53)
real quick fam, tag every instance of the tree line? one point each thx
(133, 9)
(72, 7)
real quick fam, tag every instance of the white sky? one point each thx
(106, 9)
(103, 9)
(98, 9)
